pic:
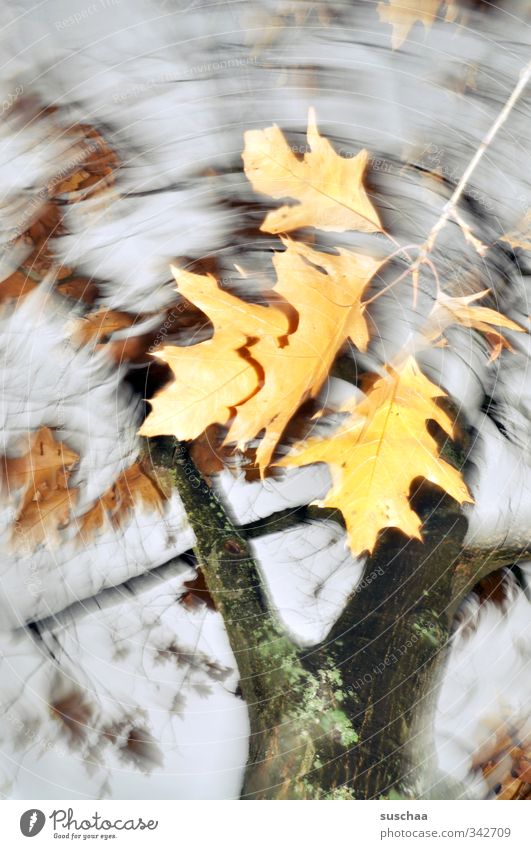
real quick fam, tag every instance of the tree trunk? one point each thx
(338, 720)
(367, 684)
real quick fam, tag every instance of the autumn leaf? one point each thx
(41, 261)
(262, 363)
(326, 291)
(79, 289)
(378, 451)
(136, 486)
(142, 750)
(404, 14)
(45, 466)
(520, 237)
(97, 171)
(91, 173)
(197, 593)
(41, 477)
(207, 453)
(72, 183)
(505, 758)
(75, 714)
(43, 517)
(251, 368)
(95, 174)
(212, 377)
(16, 286)
(99, 324)
(328, 188)
(99, 328)
(449, 310)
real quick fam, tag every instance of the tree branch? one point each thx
(450, 209)
(268, 661)
(339, 720)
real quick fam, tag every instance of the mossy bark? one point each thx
(388, 645)
(338, 720)
(364, 688)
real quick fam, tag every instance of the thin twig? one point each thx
(451, 206)
(450, 209)
(476, 243)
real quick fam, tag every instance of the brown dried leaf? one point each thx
(75, 714)
(43, 469)
(449, 310)
(136, 486)
(16, 286)
(520, 237)
(41, 477)
(99, 324)
(142, 750)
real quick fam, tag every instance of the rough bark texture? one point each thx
(388, 645)
(268, 662)
(339, 720)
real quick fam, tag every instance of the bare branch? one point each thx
(450, 208)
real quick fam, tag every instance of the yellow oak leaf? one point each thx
(212, 377)
(254, 368)
(404, 14)
(378, 451)
(327, 187)
(450, 310)
(520, 237)
(326, 291)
